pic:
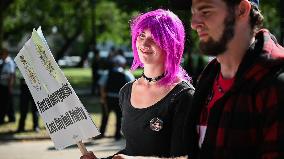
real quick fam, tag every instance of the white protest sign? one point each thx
(66, 119)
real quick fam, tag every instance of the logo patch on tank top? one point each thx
(156, 124)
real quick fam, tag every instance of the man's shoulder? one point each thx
(9, 60)
(276, 74)
(209, 71)
(274, 80)
(279, 77)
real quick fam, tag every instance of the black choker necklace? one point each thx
(154, 79)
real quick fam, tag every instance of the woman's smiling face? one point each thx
(149, 51)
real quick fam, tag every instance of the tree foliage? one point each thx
(72, 26)
(68, 24)
(272, 16)
(112, 23)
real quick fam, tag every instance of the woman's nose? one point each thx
(145, 45)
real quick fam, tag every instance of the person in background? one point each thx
(96, 64)
(26, 99)
(7, 79)
(110, 84)
(154, 107)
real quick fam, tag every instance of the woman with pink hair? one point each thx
(154, 106)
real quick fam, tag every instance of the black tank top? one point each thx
(159, 129)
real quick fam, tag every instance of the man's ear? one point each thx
(243, 10)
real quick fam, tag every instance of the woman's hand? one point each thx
(121, 156)
(89, 155)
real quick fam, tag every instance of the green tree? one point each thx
(281, 8)
(4, 4)
(271, 13)
(68, 24)
(112, 23)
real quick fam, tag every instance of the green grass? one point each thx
(82, 77)
(78, 78)
(90, 102)
(11, 128)
(137, 73)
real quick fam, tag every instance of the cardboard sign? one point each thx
(66, 119)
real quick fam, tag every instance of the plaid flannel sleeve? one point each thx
(272, 99)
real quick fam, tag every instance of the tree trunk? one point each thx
(67, 44)
(90, 44)
(84, 54)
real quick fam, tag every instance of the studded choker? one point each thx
(154, 79)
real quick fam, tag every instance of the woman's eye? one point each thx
(141, 36)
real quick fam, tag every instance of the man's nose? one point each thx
(196, 22)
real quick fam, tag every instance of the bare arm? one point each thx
(121, 156)
(89, 155)
(11, 82)
(103, 95)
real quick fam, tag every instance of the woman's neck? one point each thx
(153, 71)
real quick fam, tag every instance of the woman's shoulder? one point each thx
(187, 84)
(183, 92)
(185, 87)
(127, 86)
(126, 89)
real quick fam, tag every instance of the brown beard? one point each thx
(216, 47)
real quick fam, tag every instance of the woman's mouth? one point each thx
(146, 52)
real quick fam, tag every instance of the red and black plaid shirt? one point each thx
(248, 121)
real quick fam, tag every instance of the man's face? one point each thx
(214, 24)
(2, 56)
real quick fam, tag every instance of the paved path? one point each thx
(44, 149)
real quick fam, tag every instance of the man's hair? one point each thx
(168, 33)
(256, 18)
(3, 51)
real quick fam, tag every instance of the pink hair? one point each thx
(168, 32)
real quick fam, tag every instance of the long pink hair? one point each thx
(168, 32)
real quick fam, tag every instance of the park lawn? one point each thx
(90, 102)
(82, 77)
(78, 78)
(10, 128)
